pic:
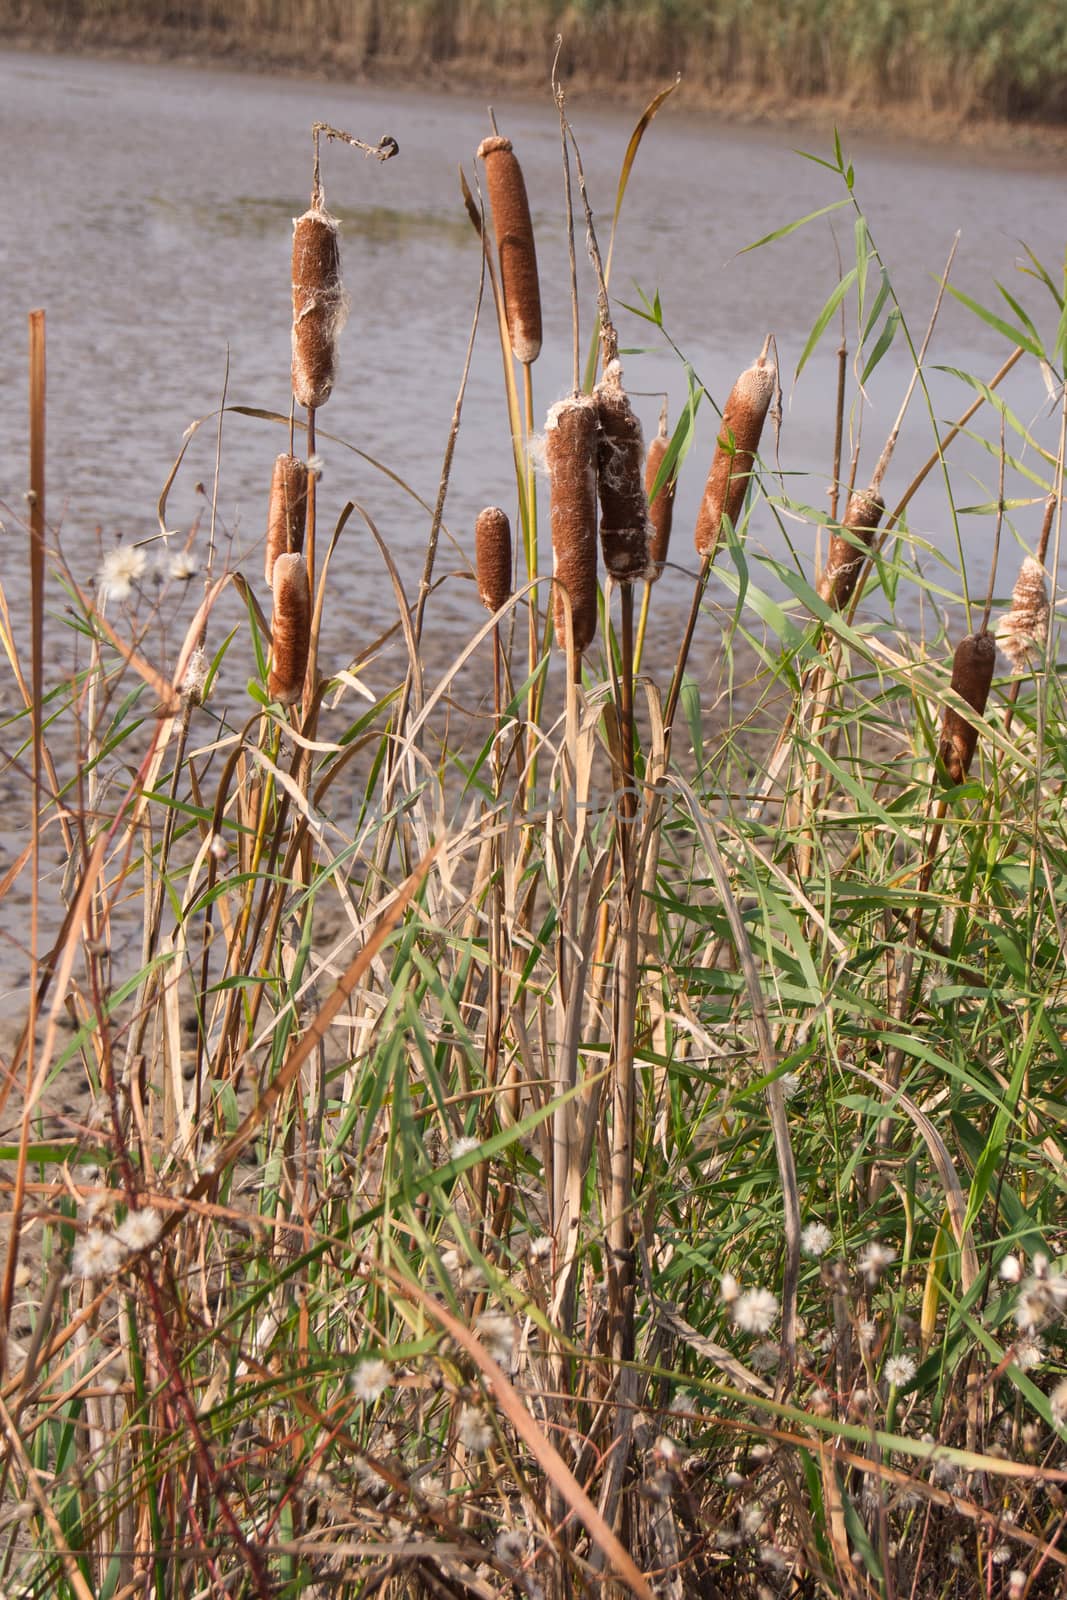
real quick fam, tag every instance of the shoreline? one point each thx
(989, 139)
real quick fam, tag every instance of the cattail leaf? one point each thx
(470, 203)
(836, 296)
(885, 339)
(1019, 312)
(1040, 272)
(681, 439)
(864, 256)
(1000, 405)
(691, 710)
(801, 222)
(1017, 335)
(884, 291)
(989, 1162)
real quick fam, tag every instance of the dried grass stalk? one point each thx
(287, 512)
(571, 431)
(845, 558)
(660, 507)
(625, 531)
(492, 557)
(319, 306)
(972, 674)
(515, 246)
(739, 436)
(1023, 630)
(290, 629)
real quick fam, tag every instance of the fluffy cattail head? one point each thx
(660, 506)
(319, 305)
(290, 629)
(571, 452)
(845, 558)
(287, 512)
(492, 557)
(1022, 631)
(739, 436)
(515, 246)
(624, 524)
(972, 674)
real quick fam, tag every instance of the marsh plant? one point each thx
(618, 1152)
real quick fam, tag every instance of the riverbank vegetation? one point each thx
(959, 58)
(618, 1152)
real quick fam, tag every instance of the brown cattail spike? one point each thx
(972, 674)
(515, 246)
(1022, 631)
(625, 531)
(660, 506)
(739, 435)
(571, 451)
(319, 306)
(290, 629)
(844, 561)
(492, 557)
(287, 512)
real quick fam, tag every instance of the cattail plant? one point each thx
(972, 674)
(319, 304)
(515, 246)
(492, 557)
(571, 431)
(1022, 631)
(287, 511)
(739, 436)
(290, 629)
(845, 558)
(661, 505)
(624, 525)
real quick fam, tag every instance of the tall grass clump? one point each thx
(593, 1131)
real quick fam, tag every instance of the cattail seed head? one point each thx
(492, 557)
(739, 436)
(290, 629)
(660, 507)
(845, 558)
(515, 246)
(319, 305)
(624, 524)
(972, 674)
(287, 512)
(571, 452)
(1022, 631)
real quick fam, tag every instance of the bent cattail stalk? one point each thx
(972, 674)
(571, 451)
(492, 557)
(845, 558)
(660, 506)
(624, 526)
(515, 246)
(742, 424)
(287, 511)
(290, 629)
(319, 305)
(1022, 631)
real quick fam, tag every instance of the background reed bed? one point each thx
(597, 1137)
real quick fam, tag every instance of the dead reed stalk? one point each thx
(742, 424)
(510, 209)
(287, 512)
(571, 431)
(845, 558)
(625, 531)
(290, 629)
(972, 674)
(319, 305)
(492, 557)
(661, 505)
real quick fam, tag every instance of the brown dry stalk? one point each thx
(290, 629)
(492, 557)
(972, 674)
(319, 305)
(739, 436)
(571, 451)
(845, 558)
(625, 531)
(660, 506)
(515, 246)
(287, 511)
